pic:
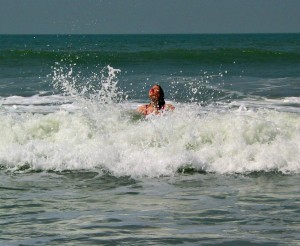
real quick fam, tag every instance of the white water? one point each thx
(97, 133)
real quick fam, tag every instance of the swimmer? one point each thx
(157, 102)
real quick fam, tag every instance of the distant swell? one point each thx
(210, 56)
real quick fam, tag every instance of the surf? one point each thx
(95, 126)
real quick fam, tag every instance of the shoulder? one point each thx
(142, 109)
(169, 106)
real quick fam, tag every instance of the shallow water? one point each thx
(71, 208)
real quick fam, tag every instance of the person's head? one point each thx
(156, 94)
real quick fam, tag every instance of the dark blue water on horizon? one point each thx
(79, 165)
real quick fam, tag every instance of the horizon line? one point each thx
(221, 33)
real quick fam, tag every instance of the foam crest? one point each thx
(120, 142)
(289, 104)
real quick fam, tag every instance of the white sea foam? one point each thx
(93, 134)
(288, 104)
(37, 104)
(114, 138)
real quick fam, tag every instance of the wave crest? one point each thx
(113, 139)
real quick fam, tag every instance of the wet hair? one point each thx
(161, 99)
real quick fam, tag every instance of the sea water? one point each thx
(79, 165)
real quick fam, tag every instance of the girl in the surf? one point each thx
(157, 102)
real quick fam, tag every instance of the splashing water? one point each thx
(102, 87)
(105, 135)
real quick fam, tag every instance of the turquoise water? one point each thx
(79, 165)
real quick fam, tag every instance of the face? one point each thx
(154, 92)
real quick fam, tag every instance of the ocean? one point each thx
(79, 165)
